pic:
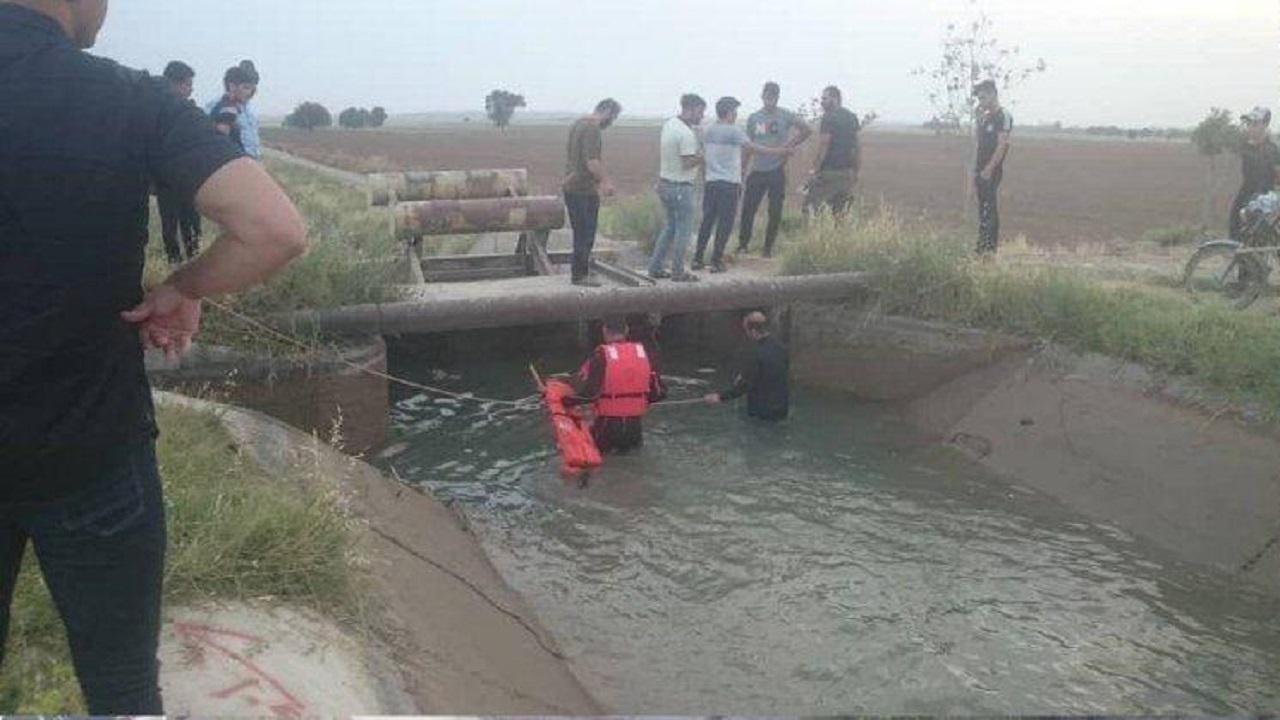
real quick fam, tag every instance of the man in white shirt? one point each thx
(680, 157)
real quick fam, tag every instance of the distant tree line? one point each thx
(355, 118)
(312, 115)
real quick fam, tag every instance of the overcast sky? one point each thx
(1124, 62)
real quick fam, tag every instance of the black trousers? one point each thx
(1235, 224)
(178, 214)
(988, 212)
(584, 216)
(615, 434)
(719, 209)
(773, 182)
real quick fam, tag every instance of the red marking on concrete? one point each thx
(224, 694)
(208, 635)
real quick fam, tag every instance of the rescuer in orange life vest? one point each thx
(620, 383)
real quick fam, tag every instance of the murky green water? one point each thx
(827, 566)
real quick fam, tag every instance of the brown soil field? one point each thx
(1056, 191)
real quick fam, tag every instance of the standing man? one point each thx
(585, 181)
(177, 214)
(835, 170)
(249, 135)
(770, 126)
(763, 377)
(226, 112)
(1259, 164)
(77, 428)
(679, 159)
(620, 382)
(723, 146)
(993, 128)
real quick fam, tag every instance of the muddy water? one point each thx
(828, 565)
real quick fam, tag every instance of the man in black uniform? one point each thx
(994, 124)
(1259, 165)
(81, 146)
(763, 377)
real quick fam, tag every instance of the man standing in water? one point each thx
(763, 377)
(584, 183)
(619, 381)
(84, 138)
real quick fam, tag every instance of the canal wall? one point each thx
(1121, 445)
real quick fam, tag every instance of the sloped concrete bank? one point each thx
(450, 636)
(1110, 439)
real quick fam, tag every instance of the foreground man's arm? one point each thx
(263, 232)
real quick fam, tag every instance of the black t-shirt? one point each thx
(227, 112)
(1258, 167)
(763, 379)
(843, 126)
(81, 141)
(988, 131)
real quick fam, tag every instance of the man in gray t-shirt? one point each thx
(775, 127)
(723, 146)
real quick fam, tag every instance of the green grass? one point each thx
(1175, 235)
(235, 532)
(352, 259)
(917, 271)
(636, 218)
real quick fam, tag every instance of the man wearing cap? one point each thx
(723, 145)
(835, 170)
(79, 480)
(1259, 164)
(994, 124)
(775, 127)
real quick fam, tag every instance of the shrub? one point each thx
(637, 218)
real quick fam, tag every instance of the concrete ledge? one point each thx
(460, 639)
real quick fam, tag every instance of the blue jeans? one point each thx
(678, 201)
(102, 554)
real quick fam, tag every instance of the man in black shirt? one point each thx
(994, 124)
(1259, 164)
(79, 481)
(835, 170)
(177, 214)
(763, 377)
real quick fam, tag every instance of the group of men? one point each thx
(750, 163)
(85, 140)
(622, 378)
(232, 117)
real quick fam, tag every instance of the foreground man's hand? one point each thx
(167, 320)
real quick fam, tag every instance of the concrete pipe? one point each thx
(416, 186)
(459, 310)
(457, 217)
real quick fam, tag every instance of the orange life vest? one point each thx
(625, 390)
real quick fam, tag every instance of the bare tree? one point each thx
(972, 53)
